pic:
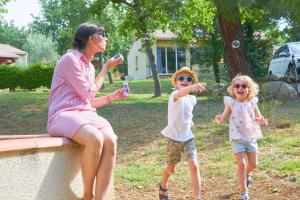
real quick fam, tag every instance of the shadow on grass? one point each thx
(23, 113)
(138, 124)
(137, 121)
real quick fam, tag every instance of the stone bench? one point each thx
(36, 167)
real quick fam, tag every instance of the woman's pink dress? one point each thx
(73, 86)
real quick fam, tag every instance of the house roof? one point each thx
(7, 51)
(164, 35)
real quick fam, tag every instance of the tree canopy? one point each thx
(202, 25)
(11, 34)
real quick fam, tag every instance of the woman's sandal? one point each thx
(164, 196)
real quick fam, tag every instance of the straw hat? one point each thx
(184, 70)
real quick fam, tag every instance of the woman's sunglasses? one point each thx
(237, 86)
(185, 78)
(100, 33)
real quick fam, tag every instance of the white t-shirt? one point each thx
(242, 124)
(180, 117)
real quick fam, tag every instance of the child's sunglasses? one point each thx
(237, 86)
(185, 78)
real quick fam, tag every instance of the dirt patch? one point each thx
(214, 189)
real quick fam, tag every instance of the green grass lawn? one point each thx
(139, 87)
(141, 156)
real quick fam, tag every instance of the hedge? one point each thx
(34, 76)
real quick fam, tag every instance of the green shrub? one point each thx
(10, 76)
(37, 75)
(34, 76)
(139, 86)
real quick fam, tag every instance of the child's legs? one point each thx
(252, 150)
(239, 148)
(166, 174)
(241, 170)
(252, 161)
(244, 167)
(196, 180)
(190, 153)
(174, 149)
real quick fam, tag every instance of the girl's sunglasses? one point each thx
(237, 86)
(185, 78)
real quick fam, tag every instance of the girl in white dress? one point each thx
(244, 119)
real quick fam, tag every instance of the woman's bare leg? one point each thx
(92, 140)
(107, 163)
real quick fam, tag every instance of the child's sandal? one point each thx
(164, 196)
(249, 181)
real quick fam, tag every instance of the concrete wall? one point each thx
(48, 171)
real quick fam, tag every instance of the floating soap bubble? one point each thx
(235, 44)
(198, 33)
(192, 44)
(118, 55)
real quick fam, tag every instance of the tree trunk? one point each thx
(236, 59)
(142, 15)
(216, 72)
(216, 58)
(110, 78)
(157, 89)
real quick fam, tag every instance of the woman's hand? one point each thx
(117, 95)
(111, 63)
(114, 61)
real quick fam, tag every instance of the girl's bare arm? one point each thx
(222, 118)
(259, 118)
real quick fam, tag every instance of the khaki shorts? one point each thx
(176, 148)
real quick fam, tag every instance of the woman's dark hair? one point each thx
(82, 34)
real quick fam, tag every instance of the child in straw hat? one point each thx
(180, 138)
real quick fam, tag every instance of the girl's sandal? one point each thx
(162, 196)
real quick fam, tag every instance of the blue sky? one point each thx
(19, 11)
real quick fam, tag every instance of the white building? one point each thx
(10, 54)
(168, 57)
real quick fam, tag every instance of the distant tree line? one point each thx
(208, 27)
